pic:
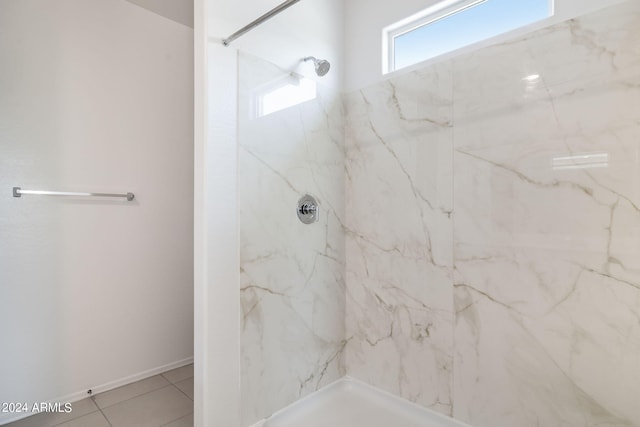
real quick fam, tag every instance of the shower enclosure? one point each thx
(476, 249)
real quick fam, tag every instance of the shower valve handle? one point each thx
(307, 209)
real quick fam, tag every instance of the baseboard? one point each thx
(74, 397)
(137, 377)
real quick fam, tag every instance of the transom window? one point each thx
(282, 93)
(452, 24)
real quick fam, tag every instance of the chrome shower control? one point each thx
(307, 209)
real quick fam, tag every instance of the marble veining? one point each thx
(478, 249)
(292, 275)
(398, 236)
(493, 229)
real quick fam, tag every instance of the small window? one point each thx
(282, 93)
(452, 24)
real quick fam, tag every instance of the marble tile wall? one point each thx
(547, 226)
(493, 229)
(292, 275)
(398, 228)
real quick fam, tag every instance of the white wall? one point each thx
(365, 20)
(94, 96)
(217, 309)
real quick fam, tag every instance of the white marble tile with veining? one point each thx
(399, 254)
(599, 43)
(545, 222)
(487, 244)
(546, 232)
(505, 76)
(292, 275)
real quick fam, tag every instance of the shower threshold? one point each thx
(352, 403)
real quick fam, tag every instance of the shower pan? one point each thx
(348, 403)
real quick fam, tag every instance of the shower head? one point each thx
(322, 65)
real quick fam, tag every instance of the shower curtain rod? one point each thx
(273, 12)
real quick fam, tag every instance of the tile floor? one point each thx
(165, 400)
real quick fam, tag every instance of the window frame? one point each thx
(431, 14)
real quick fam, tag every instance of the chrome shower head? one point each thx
(322, 65)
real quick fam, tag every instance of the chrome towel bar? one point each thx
(18, 192)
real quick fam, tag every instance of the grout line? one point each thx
(93, 398)
(173, 421)
(183, 391)
(135, 395)
(57, 424)
(171, 370)
(99, 409)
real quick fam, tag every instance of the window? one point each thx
(282, 93)
(452, 24)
